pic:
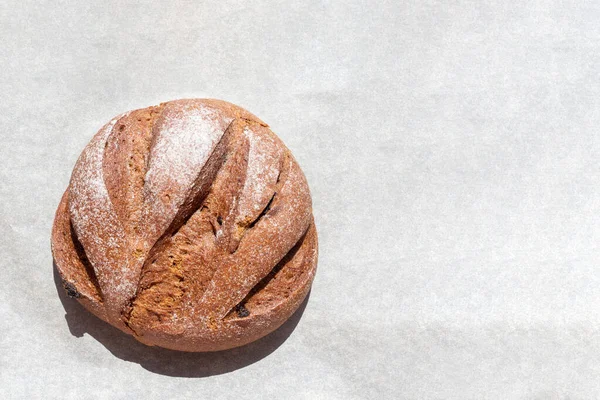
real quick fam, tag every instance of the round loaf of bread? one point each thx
(188, 225)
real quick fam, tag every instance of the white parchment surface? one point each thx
(453, 152)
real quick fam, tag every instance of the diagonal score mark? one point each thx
(203, 183)
(261, 181)
(184, 141)
(88, 268)
(271, 275)
(195, 198)
(69, 256)
(261, 248)
(125, 164)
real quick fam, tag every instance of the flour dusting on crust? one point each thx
(97, 225)
(185, 138)
(263, 169)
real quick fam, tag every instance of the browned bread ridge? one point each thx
(187, 225)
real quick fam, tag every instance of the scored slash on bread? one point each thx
(188, 225)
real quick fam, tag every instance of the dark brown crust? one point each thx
(211, 259)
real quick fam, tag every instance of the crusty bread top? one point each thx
(174, 218)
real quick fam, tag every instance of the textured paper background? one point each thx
(452, 150)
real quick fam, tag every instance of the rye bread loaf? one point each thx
(187, 225)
